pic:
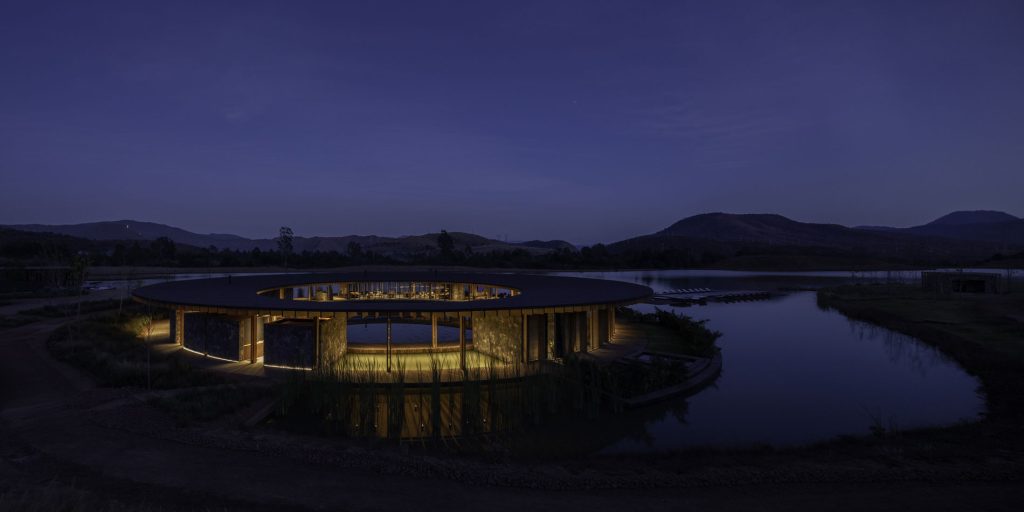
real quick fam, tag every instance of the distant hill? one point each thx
(726, 235)
(136, 230)
(876, 228)
(548, 244)
(717, 239)
(13, 242)
(399, 247)
(768, 229)
(962, 218)
(995, 227)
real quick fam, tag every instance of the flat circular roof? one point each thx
(535, 291)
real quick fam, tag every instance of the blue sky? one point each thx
(585, 121)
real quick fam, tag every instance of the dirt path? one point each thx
(29, 377)
(46, 406)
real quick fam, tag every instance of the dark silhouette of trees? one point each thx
(285, 236)
(446, 244)
(164, 249)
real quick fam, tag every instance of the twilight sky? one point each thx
(589, 121)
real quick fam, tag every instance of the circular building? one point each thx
(460, 319)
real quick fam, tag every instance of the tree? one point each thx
(76, 280)
(446, 244)
(284, 243)
(79, 271)
(355, 251)
(164, 248)
(143, 327)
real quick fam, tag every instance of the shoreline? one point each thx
(984, 335)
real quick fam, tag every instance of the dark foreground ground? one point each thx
(66, 443)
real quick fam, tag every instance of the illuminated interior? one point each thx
(393, 319)
(391, 290)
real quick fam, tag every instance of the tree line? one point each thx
(27, 249)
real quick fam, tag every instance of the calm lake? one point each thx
(795, 374)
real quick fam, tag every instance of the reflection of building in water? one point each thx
(541, 414)
(962, 282)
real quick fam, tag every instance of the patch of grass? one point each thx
(8, 322)
(205, 404)
(673, 333)
(27, 316)
(59, 497)
(69, 309)
(627, 379)
(107, 348)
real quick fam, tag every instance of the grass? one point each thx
(205, 404)
(27, 316)
(108, 349)
(628, 379)
(55, 496)
(672, 333)
(491, 409)
(71, 309)
(9, 322)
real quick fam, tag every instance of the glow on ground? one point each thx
(422, 362)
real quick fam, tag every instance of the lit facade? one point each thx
(301, 321)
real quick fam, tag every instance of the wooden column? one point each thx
(316, 342)
(584, 322)
(611, 323)
(433, 330)
(594, 331)
(179, 326)
(252, 338)
(462, 343)
(551, 335)
(388, 351)
(524, 347)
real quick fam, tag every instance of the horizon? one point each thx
(498, 237)
(575, 122)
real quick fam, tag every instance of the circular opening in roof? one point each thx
(391, 290)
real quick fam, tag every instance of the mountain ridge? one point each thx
(950, 237)
(132, 230)
(967, 225)
(965, 217)
(728, 235)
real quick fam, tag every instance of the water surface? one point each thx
(794, 373)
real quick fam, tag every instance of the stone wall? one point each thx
(290, 343)
(333, 339)
(497, 335)
(216, 335)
